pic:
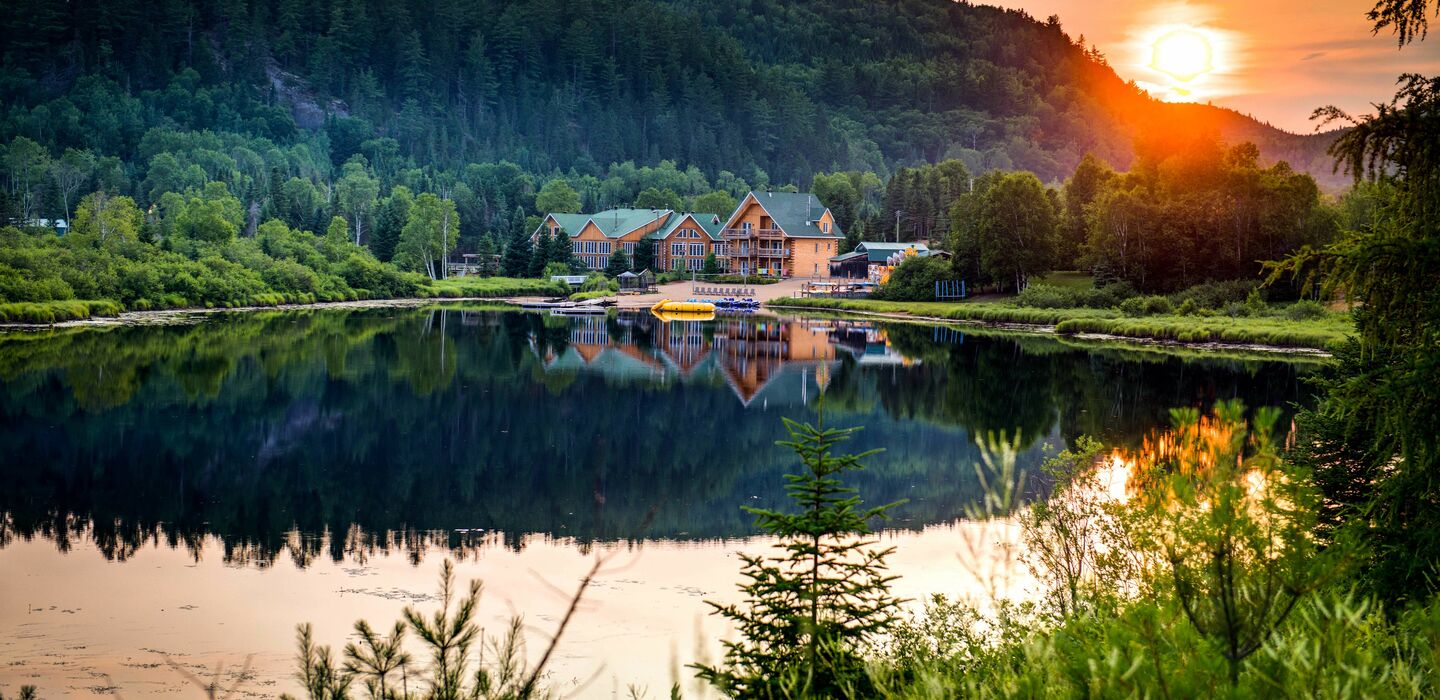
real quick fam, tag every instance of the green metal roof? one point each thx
(570, 223)
(708, 222)
(796, 213)
(879, 252)
(848, 256)
(614, 223)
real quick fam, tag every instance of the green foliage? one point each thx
(596, 282)
(1235, 526)
(711, 266)
(431, 231)
(1045, 296)
(1005, 230)
(1329, 333)
(718, 202)
(618, 264)
(1376, 438)
(1169, 223)
(652, 198)
(557, 197)
(812, 608)
(517, 258)
(485, 287)
(56, 311)
(279, 265)
(457, 666)
(1146, 305)
(914, 279)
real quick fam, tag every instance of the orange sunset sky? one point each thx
(1274, 59)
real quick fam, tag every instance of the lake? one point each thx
(179, 497)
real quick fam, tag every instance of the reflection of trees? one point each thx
(342, 433)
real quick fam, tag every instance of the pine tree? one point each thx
(811, 607)
(644, 258)
(516, 261)
(619, 263)
(560, 250)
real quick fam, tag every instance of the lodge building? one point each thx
(781, 234)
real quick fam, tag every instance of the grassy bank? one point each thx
(489, 287)
(1325, 333)
(57, 311)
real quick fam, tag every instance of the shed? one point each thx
(642, 281)
(852, 265)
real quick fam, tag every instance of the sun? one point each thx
(1182, 54)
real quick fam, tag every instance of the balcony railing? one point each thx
(746, 233)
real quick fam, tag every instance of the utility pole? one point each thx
(897, 224)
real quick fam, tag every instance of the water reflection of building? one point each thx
(764, 360)
(868, 343)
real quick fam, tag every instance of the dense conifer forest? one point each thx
(483, 101)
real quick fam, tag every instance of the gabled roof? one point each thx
(848, 256)
(705, 221)
(880, 252)
(796, 213)
(569, 223)
(612, 223)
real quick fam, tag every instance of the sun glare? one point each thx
(1182, 54)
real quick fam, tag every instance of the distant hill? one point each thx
(767, 89)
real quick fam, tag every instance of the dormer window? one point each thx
(825, 226)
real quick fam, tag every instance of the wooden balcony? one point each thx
(740, 234)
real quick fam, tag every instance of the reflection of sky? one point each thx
(214, 602)
(1276, 60)
(642, 620)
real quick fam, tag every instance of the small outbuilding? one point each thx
(873, 260)
(637, 282)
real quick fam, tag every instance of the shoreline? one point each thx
(1050, 330)
(163, 317)
(193, 315)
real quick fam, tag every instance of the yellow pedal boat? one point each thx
(684, 307)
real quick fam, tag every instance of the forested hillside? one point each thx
(767, 90)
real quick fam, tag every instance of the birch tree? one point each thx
(431, 230)
(356, 192)
(107, 219)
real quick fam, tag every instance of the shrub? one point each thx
(1044, 296)
(1148, 305)
(1305, 310)
(597, 282)
(914, 279)
(1215, 295)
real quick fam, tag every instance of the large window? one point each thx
(697, 249)
(630, 249)
(604, 247)
(677, 249)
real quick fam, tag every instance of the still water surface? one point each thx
(188, 494)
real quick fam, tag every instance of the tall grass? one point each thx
(1327, 332)
(487, 287)
(57, 311)
(1324, 334)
